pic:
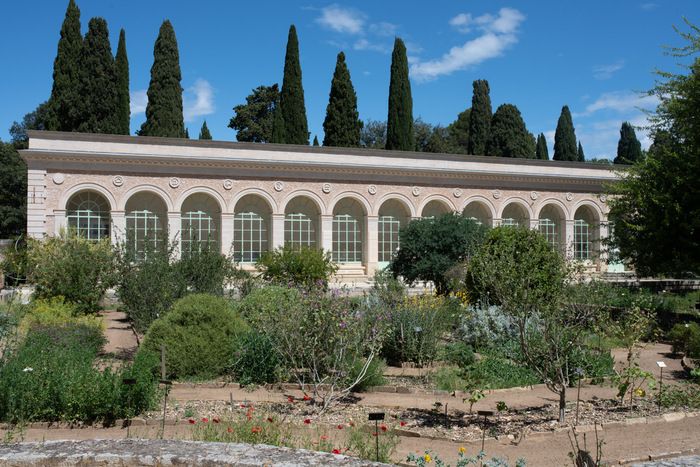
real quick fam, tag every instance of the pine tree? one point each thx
(204, 132)
(253, 120)
(508, 135)
(122, 70)
(399, 131)
(164, 109)
(296, 129)
(479, 118)
(65, 94)
(629, 149)
(316, 141)
(542, 151)
(565, 138)
(580, 156)
(342, 124)
(98, 82)
(459, 132)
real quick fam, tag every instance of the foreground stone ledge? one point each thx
(139, 452)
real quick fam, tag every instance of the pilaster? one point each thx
(277, 231)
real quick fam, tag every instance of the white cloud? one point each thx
(599, 138)
(341, 19)
(603, 72)
(383, 28)
(648, 6)
(138, 101)
(198, 100)
(364, 44)
(620, 101)
(498, 33)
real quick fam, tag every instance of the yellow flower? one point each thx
(462, 450)
(428, 458)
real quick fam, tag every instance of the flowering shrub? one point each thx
(256, 361)
(462, 460)
(298, 267)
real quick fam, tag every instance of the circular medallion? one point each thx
(457, 192)
(228, 184)
(58, 178)
(496, 194)
(174, 182)
(326, 187)
(533, 195)
(372, 189)
(118, 180)
(569, 196)
(416, 191)
(603, 197)
(279, 186)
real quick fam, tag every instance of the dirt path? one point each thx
(121, 341)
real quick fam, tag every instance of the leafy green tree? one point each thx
(253, 120)
(479, 118)
(65, 94)
(440, 141)
(99, 107)
(580, 156)
(421, 134)
(296, 128)
(655, 208)
(122, 70)
(565, 138)
(629, 149)
(459, 132)
(432, 247)
(399, 129)
(542, 151)
(13, 192)
(508, 135)
(342, 124)
(373, 134)
(204, 131)
(164, 108)
(315, 143)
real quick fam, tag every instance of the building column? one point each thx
(277, 231)
(118, 230)
(602, 258)
(226, 234)
(36, 206)
(534, 224)
(327, 232)
(174, 227)
(569, 239)
(372, 244)
(59, 221)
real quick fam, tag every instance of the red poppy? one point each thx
(192, 422)
(306, 397)
(340, 427)
(351, 423)
(290, 399)
(215, 420)
(229, 429)
(382, 427)
(336, 451)
(270, 419)
(243, 406)
(256, 429)
(402, 423)
(307, 421)
(205, 419)
(374, 434)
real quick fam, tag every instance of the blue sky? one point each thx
(596, 56)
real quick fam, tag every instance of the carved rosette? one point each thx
(228, 184)
(326, 188)
(569, 196)
(118, 180)
(603, 198)
(534, 195)
(278, 186)
(58, 178)
(174, 182)
(372, 189)
(457, 193)
(496, 194)
(416, 191)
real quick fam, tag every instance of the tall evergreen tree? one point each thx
(399, 130)
(629, 149)
(278, 133)
(253, 120)
(204, 132)
(459, 132)
(565, 138)
(342, 124)
(479, 118)
(296, 128)
(187, 133)
(122, 70)
(542, 151)
(508, 135)
(316, 141)
(164, 108)
(581, 157)
(65, 94)
(98, 84)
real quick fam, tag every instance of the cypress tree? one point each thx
(508, 135)
(479, 118)
(399, 130)
(296, 129)
(629, 149)
(565, 138)
(580, 156)
(187, 133)
(278, 134)
(65, 94)
(342, 124)
(204, 132)
(98, 84)
(164, 108)
(316, 141)
(542, 151)
(122, 70)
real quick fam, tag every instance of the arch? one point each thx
(515, 212)
(254, 191)
(146, 216)
(252, 222)
(591, 205)
(547, 201)
(481, 199)
(302, 215)
(445, 201)
(88, 214)
(393, 214)
(348, 230)
(149, 189)
(201, 190)
(200, 222)
(551, 223)
(408, 205)
(366, 205)
(309, 194)
(479, 209)
(586, 231)
(88, 187)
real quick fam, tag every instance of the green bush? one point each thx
(374, 376)
(499, 373)
(205, 270)
(256, 361)
(450, 378)
(271, 300)
(69, 266)
(56, 313)
(458, 353)
(200, 334)
(685, 339)
(298, 267)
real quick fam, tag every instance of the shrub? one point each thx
(14, 263)
(205, 270)
(486, 327)
(256, 361)
(69, 266)
(432, 247)
(500, 373)
(458, 353)
(299, 267)
(450, 378)
(374, 375)
(199, 334)
(271, 300)
(685, 339)
(386, 290)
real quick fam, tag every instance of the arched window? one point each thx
(251, 228)
(301, 223)
(392, 216)
(348, 230)
(146, 222)
(585, 233)
(551, 225)
(514, 215)
(478, 212)
(201, 223)
(87, 214)
(434, 208)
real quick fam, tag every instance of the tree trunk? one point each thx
(562, 404)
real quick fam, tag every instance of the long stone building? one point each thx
(246, 198)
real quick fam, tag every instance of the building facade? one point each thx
(247, 198)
